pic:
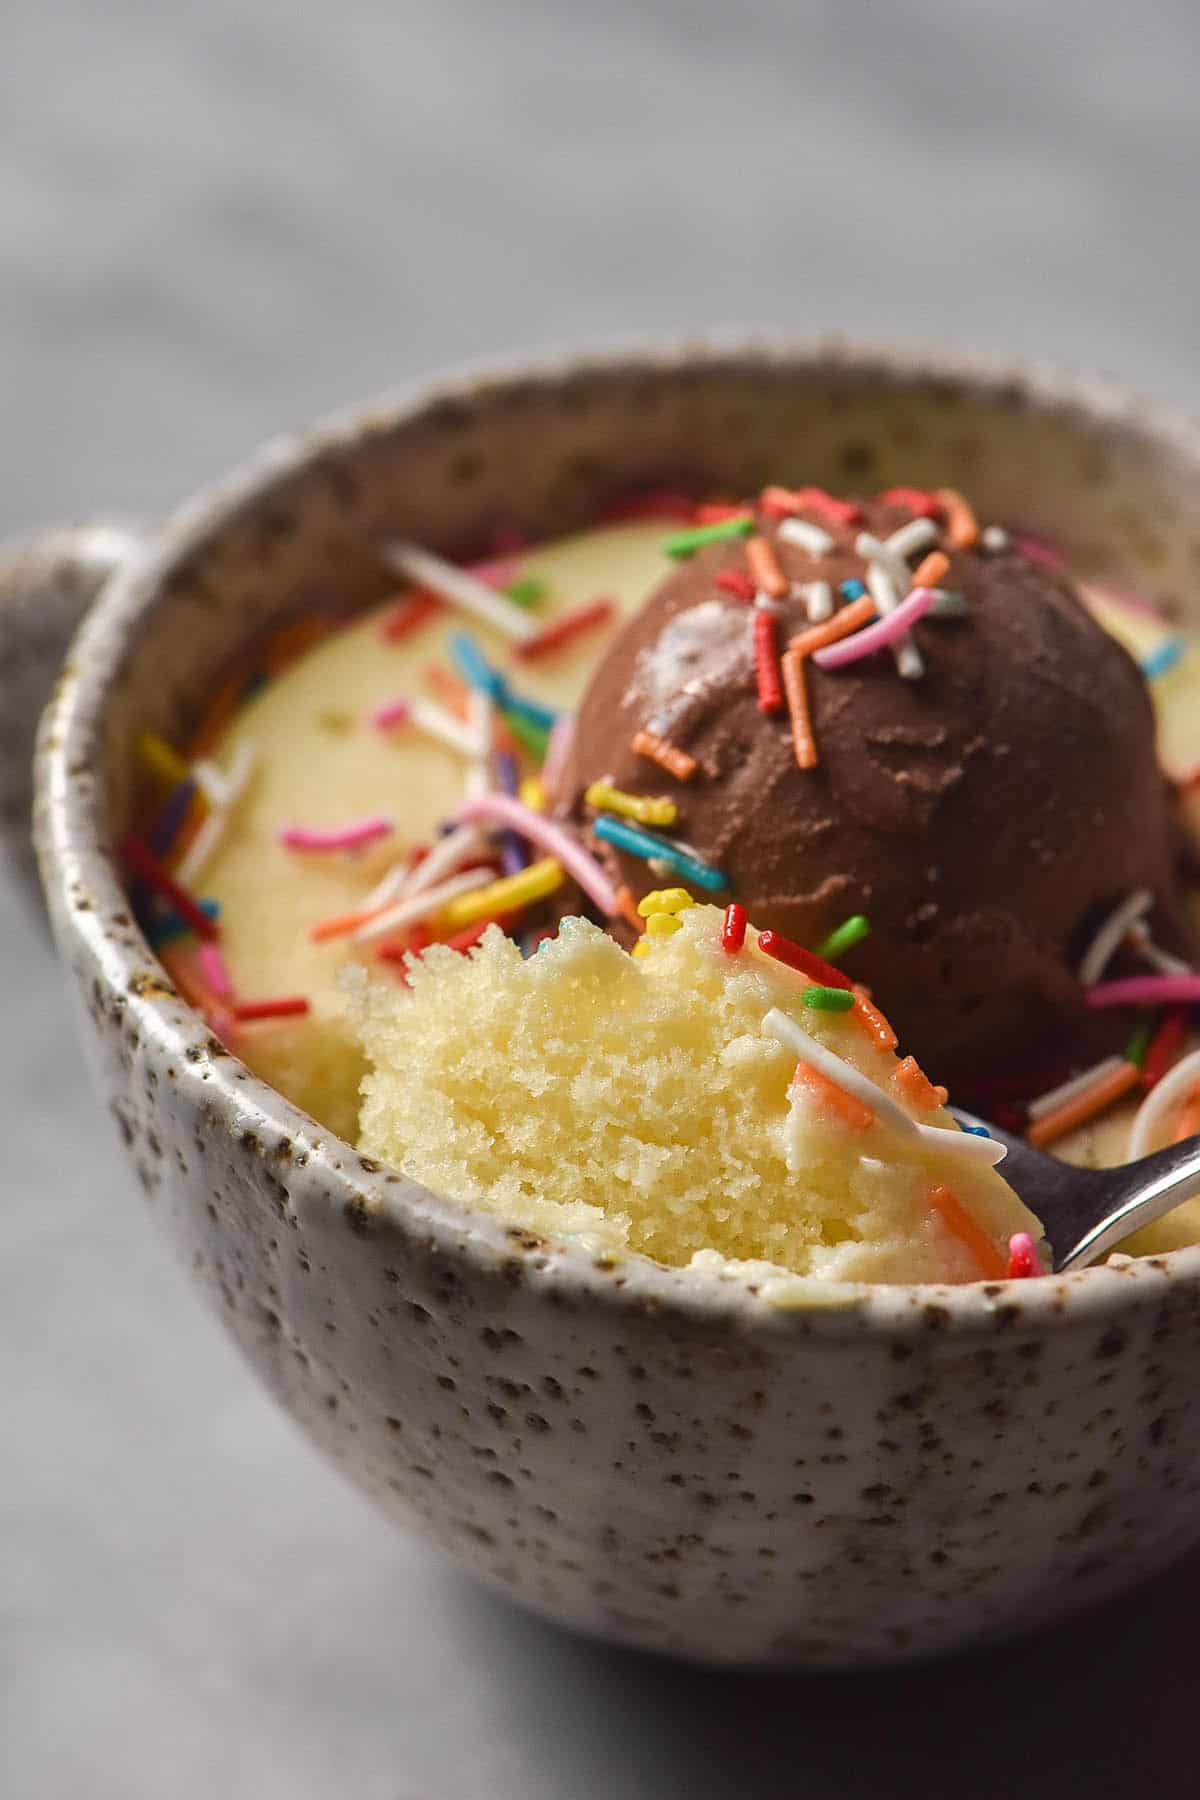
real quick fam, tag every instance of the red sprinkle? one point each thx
(410, 614)
(1162, 1048)
(774, 944)
(779, 502)
(917, 500)
(733, 932)
(715, 512)
(1023, 1259)
(766, 661)
(563, 630)
(143, 862)
(290, 1007)
(660, 503)
(741, 587)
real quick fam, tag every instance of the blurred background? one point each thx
(215, 223)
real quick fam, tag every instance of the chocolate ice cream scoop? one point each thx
(985, 790)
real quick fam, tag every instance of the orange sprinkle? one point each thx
(958, 1221)
(962, 527)
(933, 571)
(627, 907)
(1188, 1122)
(913, 1080)
(668, 756)
(849, 1108)
(341, 924)
(869, 1015)
(765, 571)
(449, 689)
(1082, 1107)
(181, 967)
(409, 615)
(841, 625)
(796, 689)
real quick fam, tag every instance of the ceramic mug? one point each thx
(659, 1457)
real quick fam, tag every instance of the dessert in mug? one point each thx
(650, 887)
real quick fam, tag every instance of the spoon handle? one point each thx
(1136, 1195)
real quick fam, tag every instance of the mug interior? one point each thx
(544, 449)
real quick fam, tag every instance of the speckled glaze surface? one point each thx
(664, 1459)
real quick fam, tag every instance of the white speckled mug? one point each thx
(657, 1457)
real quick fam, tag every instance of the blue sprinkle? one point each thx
(852, 589)
(478, 672)
(1164, 656)
(168, 926)
(977, 1131)
(647, 844)
(170, 820)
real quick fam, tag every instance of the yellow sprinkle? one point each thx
(160, 759)
(506, 895)
(662, 924)
(641, 948)
(646, 809)
(532, 794)
(665, 900)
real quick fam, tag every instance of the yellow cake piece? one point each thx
(642, 1105)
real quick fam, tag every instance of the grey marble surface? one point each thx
(219, 220)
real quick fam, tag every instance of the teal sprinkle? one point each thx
(478, 672)
(827, 999)
(646, 844)
(686, 543)
(1164, 656)
(168, 925)
(852, 589)
(850, 932)
(977, 1131)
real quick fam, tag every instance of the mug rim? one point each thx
(89, 904)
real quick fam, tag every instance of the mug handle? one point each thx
(47, 583)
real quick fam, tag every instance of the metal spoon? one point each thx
(1084, 1212)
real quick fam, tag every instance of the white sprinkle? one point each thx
(1174, 1087)
(390, 886)
(1078, 1084)
(964, 1144)
(211, 782)
(839, 1071)
(1158, 958)
(1106, 942)
(882, 590)
(480, 715)
(764, 602)
(818, 600)
(806, 537)
(460, 589)
(415, 907)
(458, 846)
(872, 550)
(437, 723)
(948, 606)
(235, 780)
(918, 534)
(995, 538)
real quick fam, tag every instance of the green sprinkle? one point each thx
(1139, 1043)
(823, 999)
(527, 590)
(686, 543)
(852, 931)
(527, 733)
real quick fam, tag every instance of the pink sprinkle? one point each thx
(215, 970)
(540, 830)
(1037, 550)
(1125, 598)
(339, 837)
(885, 631)
(562, 735)
(394, 712)
(1144, 990)
(497, 571)
(1023, 1258)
